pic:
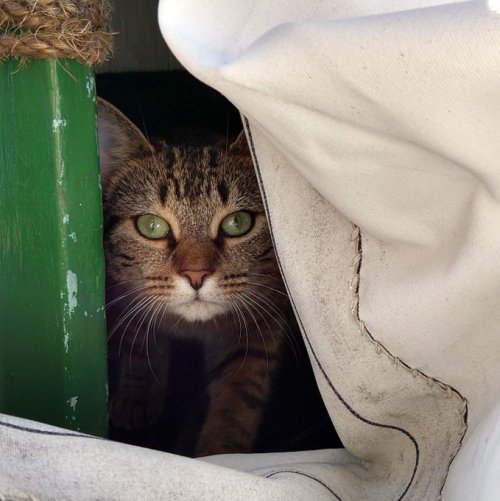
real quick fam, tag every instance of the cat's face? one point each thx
(185, 228)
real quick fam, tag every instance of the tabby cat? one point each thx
(189, 255)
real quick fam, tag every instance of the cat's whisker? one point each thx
(258, 308)
(147, 315)
(240, 314)
(216, 325)
(119, 283)
(159, 316)
(286, 331)
(159, 309)
(176, 325)
(143, 311)
(133, 303)
(268, 287)
(248, 306)
(246, 331)
(163, 310)
(271, 276)
(235, 314)
(282, 322)
(272, 279)
(278, 316)
(130, 315)
(239, 322)
(124, 295)
(148, 312)
(143, 314)
(156, 308)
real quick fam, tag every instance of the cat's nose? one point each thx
(195, 278)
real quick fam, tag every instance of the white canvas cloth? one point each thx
(375, 130)
(374, 127)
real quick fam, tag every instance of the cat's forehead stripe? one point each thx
(162, 192)
(172, 179)
(194, 174)
(212, 158)
(223, 191)
(169, 157)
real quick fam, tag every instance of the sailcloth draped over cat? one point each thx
(376, 139)
(374, 130)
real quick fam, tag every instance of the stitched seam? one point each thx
(308, 476)
(306, 337)
(381, 349)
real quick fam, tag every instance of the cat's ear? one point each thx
(119, 138)
(240, 143)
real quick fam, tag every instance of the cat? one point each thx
(189, 256)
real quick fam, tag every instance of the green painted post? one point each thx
(52, 322)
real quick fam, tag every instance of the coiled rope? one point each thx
(42, 29)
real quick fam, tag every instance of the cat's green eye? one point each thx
(237, 224)
(153, 227)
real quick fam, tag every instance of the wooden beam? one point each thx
(52, 319)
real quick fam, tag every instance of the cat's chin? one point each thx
(198, 311)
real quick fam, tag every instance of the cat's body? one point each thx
(189, 256)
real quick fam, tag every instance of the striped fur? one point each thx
(240, 314)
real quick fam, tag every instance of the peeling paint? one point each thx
(90, 86)
(73, 236)
(60, 177)
(72, 402)
(57, 123)
(66, 219)
(72, 287)
(66, 341)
